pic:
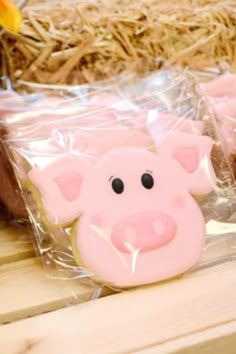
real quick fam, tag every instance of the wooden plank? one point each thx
(215, 340)
(131, 321)
(25, 290)
(15, 244)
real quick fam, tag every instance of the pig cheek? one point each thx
(98, 227)
(178, 202)
(187, 213)
(96, 223)
(97, 220)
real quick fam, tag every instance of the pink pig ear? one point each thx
(192, 153)
(59, 184)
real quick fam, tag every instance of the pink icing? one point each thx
(224, 85)
(187, 157)
(99, 142)
(222, 94)
(229, 137)
(160, 230)
(225, 109)
(178, 201)
(143, 232)
(164, 124)
(61, 199)
(69, 185)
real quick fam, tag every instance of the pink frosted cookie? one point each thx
(104, 122)
(138, 222)
(225, 109)
(159, 125)
(222, 94)
(10, 194)
(224, 85)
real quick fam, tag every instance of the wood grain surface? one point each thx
(15, 244)
(25, 288)
(25, 291)
(193, 314)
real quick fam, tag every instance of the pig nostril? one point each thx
(158, 227)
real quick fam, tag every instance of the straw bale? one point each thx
(75, 42)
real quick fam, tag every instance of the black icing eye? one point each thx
(117, 185)
(147, 181)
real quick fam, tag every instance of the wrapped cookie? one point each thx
(122, 184)
(222, 95)
(10, 195)
(19, 104)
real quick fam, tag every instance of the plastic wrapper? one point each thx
(222, 95)
(13, 207)
(125, 184)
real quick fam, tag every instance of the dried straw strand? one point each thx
(100, 39)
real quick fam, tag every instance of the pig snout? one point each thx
(143, 232)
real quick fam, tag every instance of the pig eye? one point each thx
(147, 180)
(117, 185)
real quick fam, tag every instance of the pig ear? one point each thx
(59, 185)
(192, 153)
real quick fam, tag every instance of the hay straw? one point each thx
(69, 42)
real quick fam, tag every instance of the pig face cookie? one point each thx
(137, 220)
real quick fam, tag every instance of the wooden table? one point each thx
(193, 314)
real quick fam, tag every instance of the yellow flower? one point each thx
(10, 16)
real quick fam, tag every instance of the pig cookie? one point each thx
(135, 208)
(37, 198)
(98, 144)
